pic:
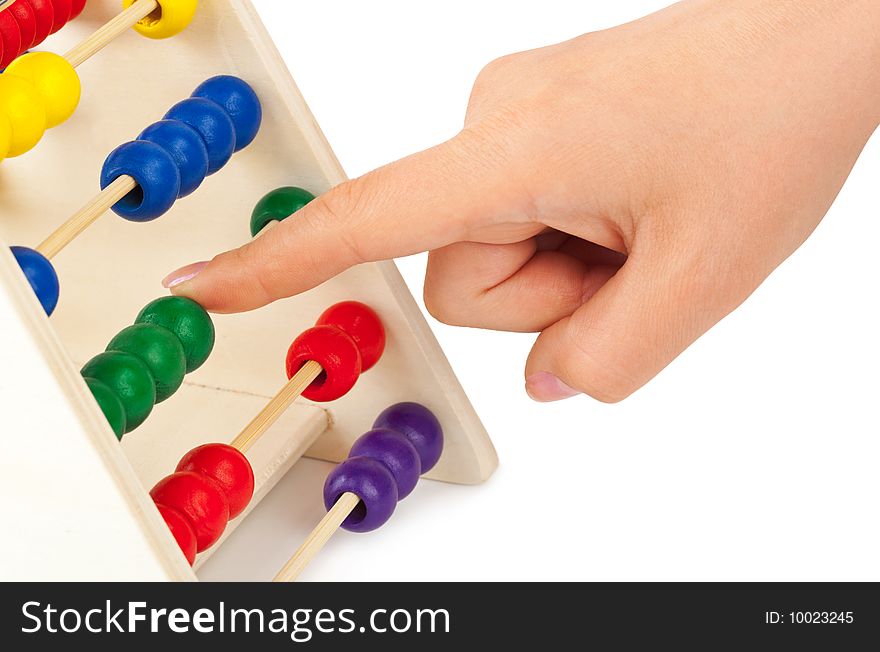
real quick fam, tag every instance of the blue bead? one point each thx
(419, 425)
(157, 176)
(40, 274)
(369, 480)
(186, 148)
(212, 123)
(241, 103)
(396, 452)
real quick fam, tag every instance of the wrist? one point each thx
(841, 47)
(832, 46)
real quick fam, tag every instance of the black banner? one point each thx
(435, 616)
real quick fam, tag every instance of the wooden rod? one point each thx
(122, 22)
(64, 234)
(318, 538)
(274, 408)
(5, 4)
(269, 226)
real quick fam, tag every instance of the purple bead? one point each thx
(418, 424)
(372, 482)
(396, 452)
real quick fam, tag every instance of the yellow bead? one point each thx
(23, 105)
(5, 135)
(55, 80)
(172, 17)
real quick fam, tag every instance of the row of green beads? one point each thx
(145, 363)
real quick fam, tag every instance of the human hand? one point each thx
(620, 193)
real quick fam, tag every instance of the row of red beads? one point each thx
(211, 484)
(27, 23)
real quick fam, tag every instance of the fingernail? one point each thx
(545, 387)
(183, 274)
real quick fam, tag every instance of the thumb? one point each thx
(422, 202)
(621, 338)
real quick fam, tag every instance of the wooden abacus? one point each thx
(72, 483)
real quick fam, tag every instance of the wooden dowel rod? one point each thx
(5, 4)
(318, 538)
(101, 203)
(120, 23)
(274, 408)
(269, 226)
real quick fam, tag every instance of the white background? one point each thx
(754, 456)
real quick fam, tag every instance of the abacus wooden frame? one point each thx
(112, 270)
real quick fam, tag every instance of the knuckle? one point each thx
(263, 270)
(343, 210)
(494, 78)
(345, 199)
(489, 144)
(335, 206)
(450, 296)
(608, 380)
(497, 67)
(441, 306)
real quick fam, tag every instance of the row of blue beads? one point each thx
(196, 138)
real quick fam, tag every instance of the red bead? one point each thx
(362, 324)
(44, 14)
(27, 24)
(228, 467)
(198, 498)
(336, 352)
(77, 8)
(63, 10)
(11, 38)
(181, 530)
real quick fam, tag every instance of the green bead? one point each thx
(160, 350)
(186, 319)
(110, 405)
(129, 379)
(277, 206)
